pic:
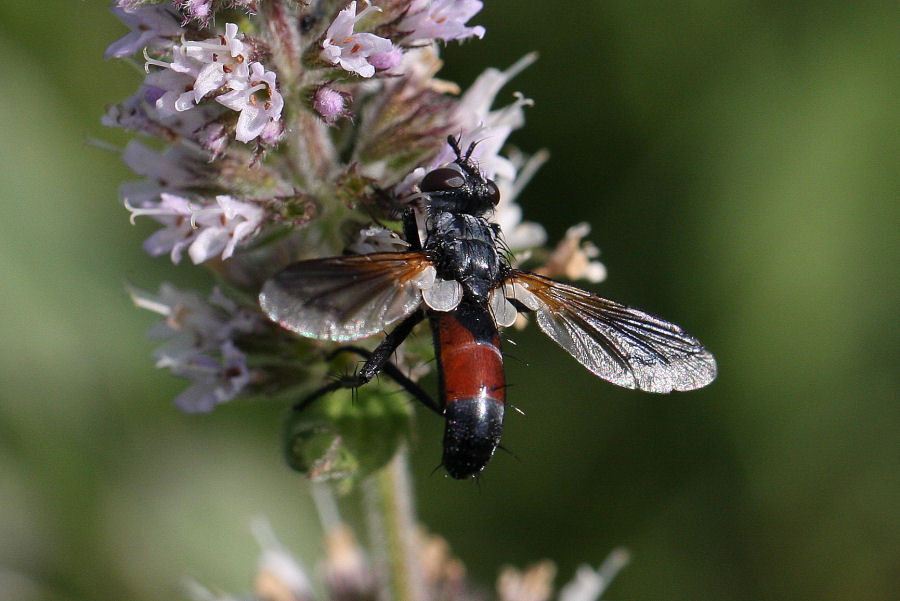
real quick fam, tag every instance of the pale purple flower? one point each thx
(490, 128)
(200, 68)
(440, 20)
(350, 50)
(259, 103)
(222, 227)
(177, 91)
(175, 171)
(519, 235)
(385, 61)
(272, 132)
(376, 239)
(206, 231)
(199, 343)
(132, 114)
(202, 11)
(139, 113)
(152, 26)
(213, 136)
(175, 213)
(216, 379)
(489, 131)
(223, 59)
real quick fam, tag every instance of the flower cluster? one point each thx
(200, 343)
(279, 131)
(350, 573)
(275, 131)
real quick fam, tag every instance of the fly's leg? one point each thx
(398, 376)
(378, 361)
(411, 230)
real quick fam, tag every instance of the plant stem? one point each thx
(393, 533)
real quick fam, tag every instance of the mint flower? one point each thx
(208, 67)
(223, 59)
(355, 52)
(281, 131)
(199, 343)
(175, 213)
(348, 571)
(257, 99)
(206, 231)
(222, 227)
(150, 28)
(281, 134)
(440, 20)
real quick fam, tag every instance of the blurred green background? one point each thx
(739, 164)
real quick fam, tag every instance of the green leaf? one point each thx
(346, 436)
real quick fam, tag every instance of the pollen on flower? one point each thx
(352, 51)
(259, 103)
(219, 68)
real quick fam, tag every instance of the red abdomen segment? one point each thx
(472, 387)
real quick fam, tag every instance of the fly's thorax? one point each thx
(464, 248)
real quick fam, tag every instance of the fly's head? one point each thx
(460, 187)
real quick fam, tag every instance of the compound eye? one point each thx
(493, 191)
(441, 180)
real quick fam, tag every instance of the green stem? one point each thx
(393, 530)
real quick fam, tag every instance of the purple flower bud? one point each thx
(329, 103)
(200, 10)
(385, 61)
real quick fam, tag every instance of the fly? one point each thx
(460, 280)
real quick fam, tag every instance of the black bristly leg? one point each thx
(382, 353)
(398, 376)
(378, 361)
(411, 230)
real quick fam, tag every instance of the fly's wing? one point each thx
(620, 344)
(346, 298)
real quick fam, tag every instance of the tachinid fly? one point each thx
(460, 280)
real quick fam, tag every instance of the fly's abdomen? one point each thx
(472, 387)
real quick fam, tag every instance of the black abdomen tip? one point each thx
(471, 435)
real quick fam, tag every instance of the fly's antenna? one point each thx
(454, 141)
(454, 144)
(469, 151)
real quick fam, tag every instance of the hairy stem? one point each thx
(394, 537)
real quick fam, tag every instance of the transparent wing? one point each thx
(346, 298)
(620, 344)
